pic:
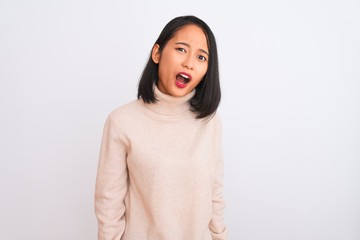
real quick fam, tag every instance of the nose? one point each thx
(188, 62)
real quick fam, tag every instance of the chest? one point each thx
(179, 147)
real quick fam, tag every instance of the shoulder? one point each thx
(125, 110)
(125, 114)
(213, 120)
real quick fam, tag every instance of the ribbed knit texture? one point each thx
(160, 174)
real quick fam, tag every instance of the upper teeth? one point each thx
(184, 76)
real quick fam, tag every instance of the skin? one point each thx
(186, 52)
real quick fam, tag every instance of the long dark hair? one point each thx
(208, 94)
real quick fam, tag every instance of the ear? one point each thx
(156, 54)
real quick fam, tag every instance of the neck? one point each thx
(169, 105)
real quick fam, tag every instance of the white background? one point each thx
(290, 73)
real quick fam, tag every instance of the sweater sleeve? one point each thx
(217, 226)
(111, 183)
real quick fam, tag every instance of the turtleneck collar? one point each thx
(169, 105)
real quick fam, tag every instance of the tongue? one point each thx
(180, 82)
(180, 79)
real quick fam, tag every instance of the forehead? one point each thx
(191, 34)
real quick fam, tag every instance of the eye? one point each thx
(181, 50)
(202, 58)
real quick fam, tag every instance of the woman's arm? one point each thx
(111, 183)
(217, 226)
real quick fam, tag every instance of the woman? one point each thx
(160, 174)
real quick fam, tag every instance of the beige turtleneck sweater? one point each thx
(160, 174)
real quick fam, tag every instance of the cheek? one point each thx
(162, 75)
(203, 71)
(165, 64)
(162, 66)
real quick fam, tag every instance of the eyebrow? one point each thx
(188, 45)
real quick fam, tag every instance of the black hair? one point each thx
(208, 94)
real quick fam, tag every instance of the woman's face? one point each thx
(183, 61)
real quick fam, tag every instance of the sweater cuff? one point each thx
(219, 236)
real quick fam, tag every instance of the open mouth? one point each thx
(182, 79)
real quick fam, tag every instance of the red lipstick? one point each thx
(182, 79)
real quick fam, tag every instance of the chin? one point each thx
(180, 92)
